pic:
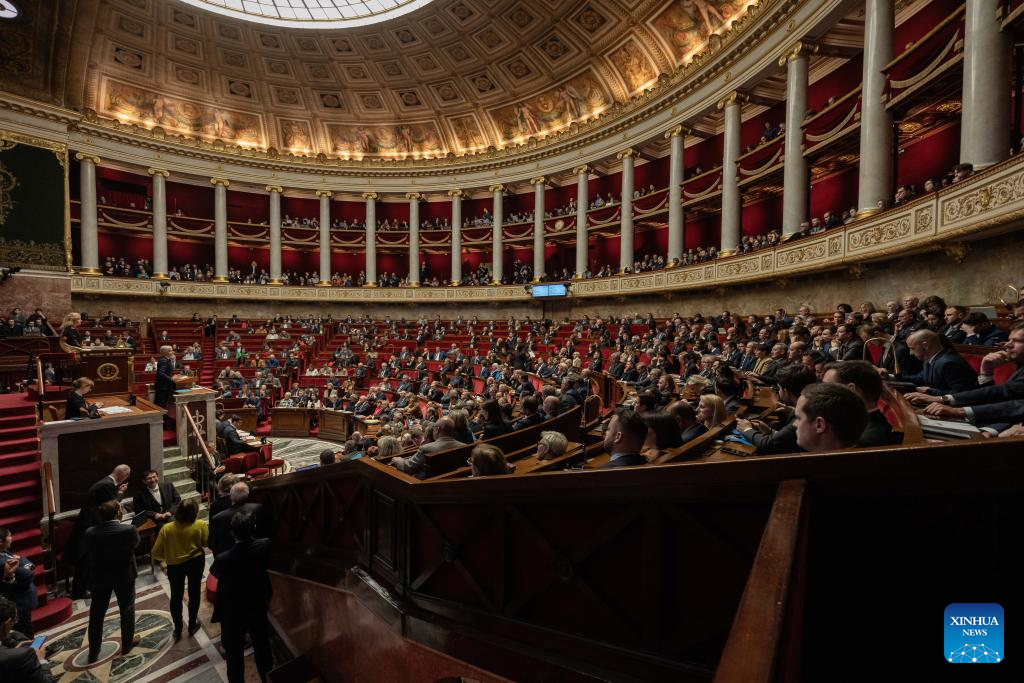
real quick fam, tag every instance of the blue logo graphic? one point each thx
(973, 633)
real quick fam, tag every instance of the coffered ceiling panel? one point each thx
(451, 77)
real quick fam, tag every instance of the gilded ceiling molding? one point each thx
(275, 188)
(626, 153)
(581, 169)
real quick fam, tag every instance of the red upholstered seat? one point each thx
(211, 588)
(235, 464)
(252, 465)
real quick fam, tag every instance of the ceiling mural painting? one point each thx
(453, 77)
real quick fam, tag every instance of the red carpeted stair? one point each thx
(207, 376)
(21, 501)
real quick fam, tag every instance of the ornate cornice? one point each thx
(735, 97)
(539, 180)
(631, 153)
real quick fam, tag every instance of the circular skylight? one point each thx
(319, 14)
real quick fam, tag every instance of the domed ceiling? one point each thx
(451, 77)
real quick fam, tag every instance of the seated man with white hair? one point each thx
(551, 445)
(220, 524)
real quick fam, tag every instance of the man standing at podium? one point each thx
(165, 385)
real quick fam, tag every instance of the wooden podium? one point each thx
(112, 369)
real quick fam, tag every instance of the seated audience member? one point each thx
(231, 437)
(711, 410)
(495, 423)
(791, 381)
(662, 434)
(17, 583)
(416, 464)
(861, 378)
(463, 432)
(954, 318)
(980, 330)
(486, 461)
(529, 414)
(850, 346)
(388, 446)
(829, 417)
(944, 370)
(990, 403)
(327, 457)
(689, 426)
(19, 662)
(551, 445)
(156, 500)
(623, 439)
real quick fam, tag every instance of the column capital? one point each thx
(735, 97)
(324, 193)
(539, 180)
(82, 156)
(456, 193)
(413, 196)
(275, 188)
(158, 171)
(220, 181)
(678, 131)
(496, 188)
(369, 195)
(582, 168)
(630, 152)
(796, 50)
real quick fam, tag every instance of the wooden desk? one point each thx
(289, 422)
(247, 418)
(335, 425)
(81, 452)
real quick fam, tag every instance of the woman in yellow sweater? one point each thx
(180, 545)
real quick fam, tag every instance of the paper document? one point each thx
(115, 410)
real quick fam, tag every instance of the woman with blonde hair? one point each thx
(711, 410)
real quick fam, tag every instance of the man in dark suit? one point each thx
(111, 546)
(232, 439)
(156, 500)
(570, 397)
(954, 317)
(860, 377)
(850, 345)
(416, 464)
(791, 381)
(109, 487)
(624, 438)
(989, 403)
(243, 596)
(944, 370)
(17, 582)
(22, 664)
(164, 385)
(529, 414)
(220, 524)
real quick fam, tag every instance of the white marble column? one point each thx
(676, 237)
(220, 229)
(325, 237)
(731, 202)
(626, 253)
(875, 179)
(159, 223)
(497, 243)
(795, 180)
(89, 220)
(414, 237)
(582, 204)
(538, 227)
(456, 196)
(275, 234)
(985, 118)
(371, 238)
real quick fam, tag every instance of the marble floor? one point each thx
(157, 658)
(300, 453)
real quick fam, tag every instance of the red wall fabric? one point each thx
(704, 231)
(921, 22)
(929, 157)
(837, 192)
(836, 84)
(192, 200)
(759, 217)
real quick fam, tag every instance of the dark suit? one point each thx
(416, 464)
(22, 592)
(243, 595)
(234, 441)
(493, 430)
(851, 350)
(220, 525)
(693, 431)
(111, 546)
(782, 440)
(164, 386)
(878, 432)
(1010, 390)
(21, 664)
(146, 506)
(527, 421)
(100, 492)
(625, 460)
(946, 372)
(76, 406)
(954, 334)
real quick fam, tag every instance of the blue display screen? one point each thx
(541, 291)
